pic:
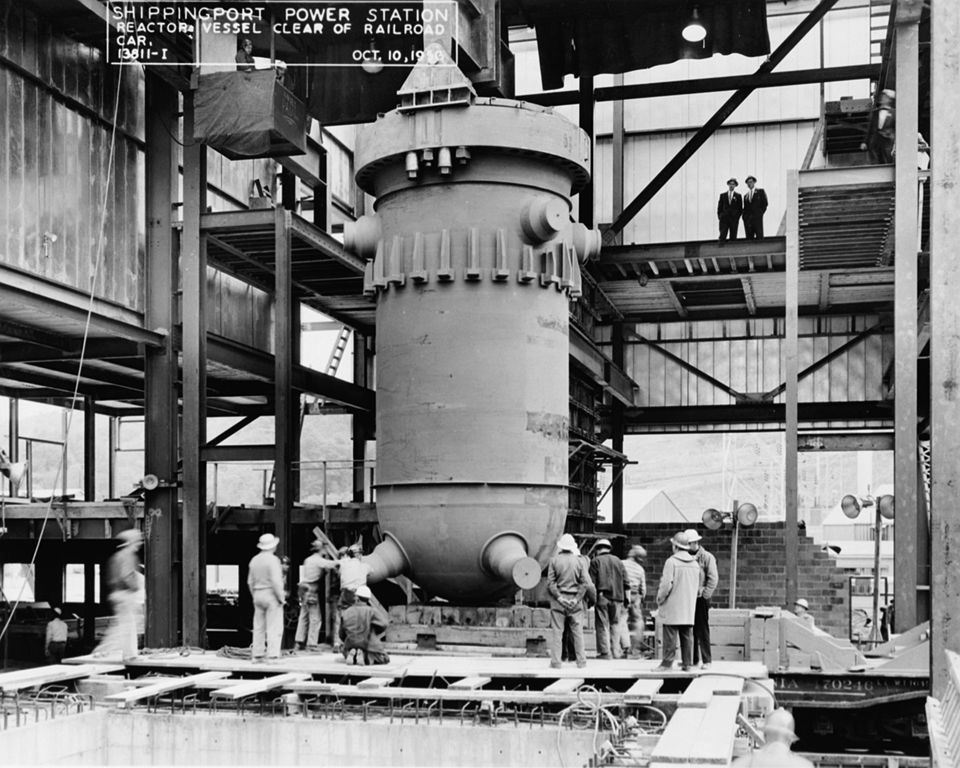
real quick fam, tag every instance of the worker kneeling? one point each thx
(361, 629)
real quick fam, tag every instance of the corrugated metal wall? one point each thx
(56, 102)
(747, 356)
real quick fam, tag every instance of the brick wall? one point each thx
(761, 572)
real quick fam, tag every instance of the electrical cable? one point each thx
(586, 709)
(83, 348)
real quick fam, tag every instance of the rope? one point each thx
(83, 348)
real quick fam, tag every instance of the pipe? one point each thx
(387, 559)
(505, 556)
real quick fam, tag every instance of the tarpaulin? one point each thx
(249, 114)
(618, 37)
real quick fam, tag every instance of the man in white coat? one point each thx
(677, 600)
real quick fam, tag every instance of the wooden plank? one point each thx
(564, 685)
(727, 635)
(728, 652)
(702, 690)
(771, 644)
(833, 654)
(677, 738)
(57, 673)
(728, 617)
(251, 687)
(375, 682)
(643, 690)
(755, 639)
(515, 637)
(718, 730)
(468, 683)
(126, 698)
(445, 694)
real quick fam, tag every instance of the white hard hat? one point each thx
(364, 591)
(680, 540)
(692, 535)
(567, 543)
(130, 537)
(604, 544)
(802, 603)
(268, 541)
(779, 723)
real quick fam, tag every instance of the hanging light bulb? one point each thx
(694, 31)
(372, 64)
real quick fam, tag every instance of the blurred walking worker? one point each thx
(123, 579)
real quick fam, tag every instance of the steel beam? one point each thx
(89, 449)
(285, 418)
(944, 339)
(616, 433)
(756, 413)
(193, 257)
(360, 422)
(906, 564)
(853, 441)
(791, 537)
(621, 92)
(13, 429)
(587, 104)
(225, 453)
(717, 119)
(161, 372)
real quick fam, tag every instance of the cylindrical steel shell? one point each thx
(472, 347)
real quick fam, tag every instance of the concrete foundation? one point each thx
(138, 738)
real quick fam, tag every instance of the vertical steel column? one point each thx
(193, 259)
(13, 408)
(791, 537)
(161, 407)
(618, 141)
(587, 105)
(360, 421)
(906, 565)
(285, 419)
(321, 197)
(112, 458)
(89, 604)
(89, 450)
(616, 434)
(944, 339)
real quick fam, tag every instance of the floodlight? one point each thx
(747, 514)
(885, 504)
(150, 482)
(713, 519)
(850, 506)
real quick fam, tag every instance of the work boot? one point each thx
(300, 645)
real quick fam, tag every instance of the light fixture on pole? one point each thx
(372, 63)
(851, 507)
(694, 31)
(745, 514)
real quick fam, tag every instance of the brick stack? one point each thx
(761, 578)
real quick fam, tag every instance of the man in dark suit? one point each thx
(729, 208)
(754, 205)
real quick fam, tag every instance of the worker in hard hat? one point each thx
(568, 579)
(124, 581)
(362, 626)
(778, 735)
(265, 581)
(680, 583)
(701, 623)
(613, 595)
(632, 623)
(308, 592)
(802, 609)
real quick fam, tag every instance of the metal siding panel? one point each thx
(31, 159)
(805, 391)
(821, 377)
(838, 371)
(657, 374)
(856, 380)
(674, 378)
